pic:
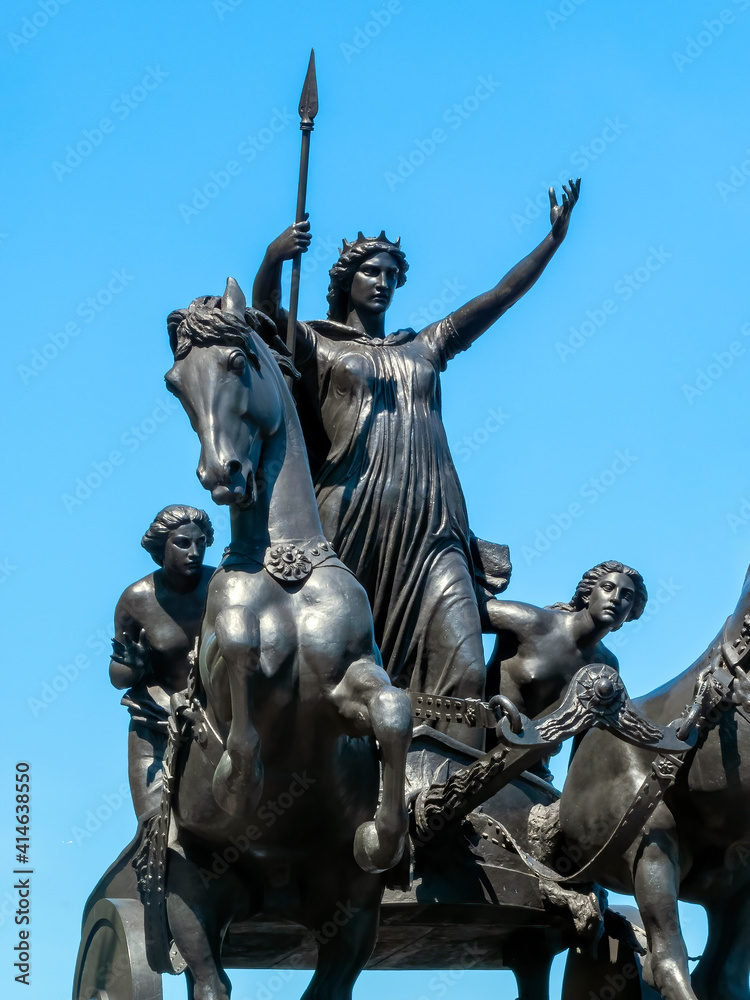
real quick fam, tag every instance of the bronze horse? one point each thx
(274, 812)
(696, 843)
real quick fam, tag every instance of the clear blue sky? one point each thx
(149, 150)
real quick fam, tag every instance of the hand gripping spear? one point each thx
(308, 109)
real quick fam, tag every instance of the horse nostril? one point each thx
(233, 467)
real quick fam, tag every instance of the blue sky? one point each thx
(151, 150)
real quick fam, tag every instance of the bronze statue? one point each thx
(538, 650)
(263, 804)
(290, 694)
(387, 490)
(694, 842)
(157, 621)
(271, 772)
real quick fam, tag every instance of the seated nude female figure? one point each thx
(157, 621)
(539, 650)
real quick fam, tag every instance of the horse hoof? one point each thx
(369, 852)
(237, 793)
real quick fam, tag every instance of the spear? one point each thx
(308, 109)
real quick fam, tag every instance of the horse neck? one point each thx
(286, 507)
(671, 696)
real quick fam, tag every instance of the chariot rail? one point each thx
(596, 698)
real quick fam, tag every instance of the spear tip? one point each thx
(308, 103)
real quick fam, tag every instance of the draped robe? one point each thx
(389, 496)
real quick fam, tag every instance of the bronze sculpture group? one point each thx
(399, 521)
(276, 770)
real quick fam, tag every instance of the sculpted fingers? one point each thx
(301, 235)
(131, 653)
(118, 651)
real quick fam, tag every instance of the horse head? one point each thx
(230, 388)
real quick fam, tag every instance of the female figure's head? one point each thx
(177, 540)
(365, 276)
(606, 591)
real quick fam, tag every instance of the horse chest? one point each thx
(278, 641)
(308, 633)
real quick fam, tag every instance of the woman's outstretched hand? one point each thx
(559, 215)
(294, 240)
(136, 655)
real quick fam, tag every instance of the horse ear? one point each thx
(233, 300)
(173, 322)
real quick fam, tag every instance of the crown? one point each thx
(361, 239)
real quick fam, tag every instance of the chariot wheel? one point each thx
(111, 963)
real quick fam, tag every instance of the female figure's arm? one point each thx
(267, 286)
(131, 657)
(508, 616)
(474, 318)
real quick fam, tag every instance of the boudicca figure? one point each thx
(389, 497)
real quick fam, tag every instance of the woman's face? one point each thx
(611, 600)
(373, 284)
(184, 552)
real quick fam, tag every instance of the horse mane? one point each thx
(204, 322)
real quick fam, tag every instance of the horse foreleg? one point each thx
(370, 705)
(238, 780)
(656, 885)
(714, 953)
(724, 967)
(345, 942)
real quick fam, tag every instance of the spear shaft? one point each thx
(308, 108)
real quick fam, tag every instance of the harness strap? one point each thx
(713, 696)
(462, 711)
(735, 648)
(153, 884)
(187, 721)
(203, 733)
(664, 771)
(289, 561)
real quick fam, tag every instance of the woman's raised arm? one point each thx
(472, 319)
(267, 286)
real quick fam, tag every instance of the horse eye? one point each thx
(236, 363)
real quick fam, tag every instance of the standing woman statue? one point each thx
(388, 493)
(157, 621)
